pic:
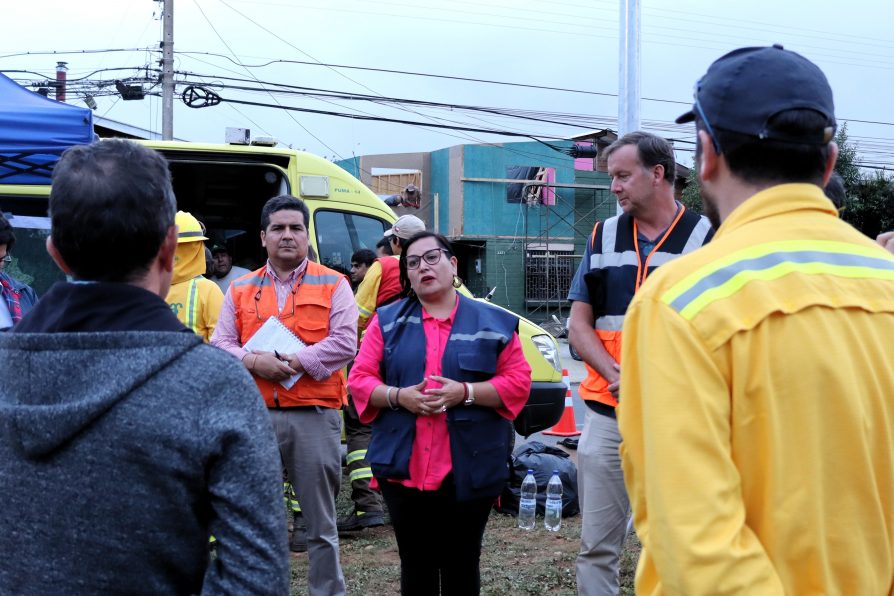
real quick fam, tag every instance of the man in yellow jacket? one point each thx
(757, 393)
(194, 299)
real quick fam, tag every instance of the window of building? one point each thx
(548, 273)
(533, 187)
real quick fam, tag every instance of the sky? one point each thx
(568, 46)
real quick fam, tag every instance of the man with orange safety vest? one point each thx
(194, 299)
(622, 251)
(316, 304)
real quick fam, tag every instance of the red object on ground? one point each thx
(566, 427)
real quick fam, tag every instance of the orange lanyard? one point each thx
(642, 269)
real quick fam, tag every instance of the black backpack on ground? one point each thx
(543, 459)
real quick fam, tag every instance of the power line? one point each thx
(313, 58)
(210, 24)
(68, 52)
(438, 76)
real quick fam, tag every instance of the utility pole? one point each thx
(628, 69)
(61, 75)
(167, 72)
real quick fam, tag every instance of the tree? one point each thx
(691, 196)
(846, 166)
(869, 205)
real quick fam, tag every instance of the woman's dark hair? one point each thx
(404, 277)
(7, 236)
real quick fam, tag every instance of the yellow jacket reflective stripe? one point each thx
(192, 302)
(771, 261)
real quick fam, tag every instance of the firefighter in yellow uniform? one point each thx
(194, 300)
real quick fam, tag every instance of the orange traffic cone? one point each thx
(566, 427)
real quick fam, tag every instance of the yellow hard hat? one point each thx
(188, 228)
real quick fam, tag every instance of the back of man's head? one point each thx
(651, 150)
(111, 206)
(769, 112)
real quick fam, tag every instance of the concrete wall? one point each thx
(484, 225)
(440, 185)
(505, 268)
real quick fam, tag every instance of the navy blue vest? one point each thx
(614, 261)
(479, 437)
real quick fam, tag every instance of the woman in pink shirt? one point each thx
(440, 377)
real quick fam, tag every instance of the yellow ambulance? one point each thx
(225, 186)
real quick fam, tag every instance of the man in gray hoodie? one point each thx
(119, 461)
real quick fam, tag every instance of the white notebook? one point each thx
(273, 335)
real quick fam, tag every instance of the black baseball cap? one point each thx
(744, 89)
(219, 248)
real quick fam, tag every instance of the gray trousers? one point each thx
(604, 506)
(310, 443)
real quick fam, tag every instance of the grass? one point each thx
(513, 561)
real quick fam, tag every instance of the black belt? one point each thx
(601, 408)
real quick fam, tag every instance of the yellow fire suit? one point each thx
(757, 408)
(196, 301)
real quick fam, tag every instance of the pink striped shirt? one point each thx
(319, 360)
(430, 461)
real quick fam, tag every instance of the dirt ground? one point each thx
(513, 561)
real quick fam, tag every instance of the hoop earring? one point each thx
(457, 282)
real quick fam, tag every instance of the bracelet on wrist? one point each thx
(397, 399)
(388, 398)
(470, 395)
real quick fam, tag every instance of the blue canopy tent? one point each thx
(34, 131)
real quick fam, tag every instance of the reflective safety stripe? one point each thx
(255, 281)
(364, 312)
(291, 500)
(698, 235)
(358, 455)
(404, 320)
(610, 323)
(321, 280)
(613, 259)
(192, 301)
(477, 336)
(628, 257)
(361, 474)
(659, 258)
(770, 261)
(609, 234)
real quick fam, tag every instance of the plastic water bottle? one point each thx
(553, 518)
(527, 505)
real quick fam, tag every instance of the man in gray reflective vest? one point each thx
(621, 253)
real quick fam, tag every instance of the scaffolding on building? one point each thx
(550, 261)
